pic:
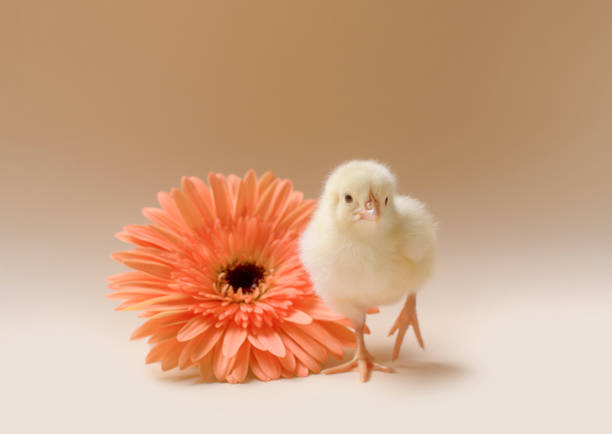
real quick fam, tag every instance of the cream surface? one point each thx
(496, 116)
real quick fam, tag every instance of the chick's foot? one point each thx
(362, 361)
(362, 364)
(406, 318)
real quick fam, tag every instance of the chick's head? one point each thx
(359, 195)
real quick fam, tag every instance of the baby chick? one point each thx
(367, 246)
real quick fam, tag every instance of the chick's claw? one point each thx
(363, 364)
(407, 317)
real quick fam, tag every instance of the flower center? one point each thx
(246, 276)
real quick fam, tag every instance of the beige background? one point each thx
(497, 114)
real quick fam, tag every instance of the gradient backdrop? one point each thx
(496, 114)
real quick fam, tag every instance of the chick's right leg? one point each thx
(363, 361)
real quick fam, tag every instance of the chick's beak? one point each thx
(371, 211)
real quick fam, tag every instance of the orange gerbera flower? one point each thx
(219, 278)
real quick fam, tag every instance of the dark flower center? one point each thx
(246, 276)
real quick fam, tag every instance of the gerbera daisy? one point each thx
(219, 278)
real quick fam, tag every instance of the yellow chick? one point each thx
(367, 246)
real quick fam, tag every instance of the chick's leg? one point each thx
(406, 318)
(362, 361)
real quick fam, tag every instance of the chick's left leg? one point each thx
(363, 361)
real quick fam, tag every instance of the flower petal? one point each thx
(240, 205)
(158, 352)
(223, 204)
(169, 206)
(309, 345)
(207, 341)
(205, 365)
(149, 327)
(301, 370)
(233, 182)
(188, 211)
(184, 360)
(298, 317)
(295, 199)
(288, 362)
(233, 339)
(221, 365)
(257, 370)
(149, 267)
(162, 219)
(264, 182)
(324, 337)
(250, 192)
(170, 360)
(197, 192)
(163, 333)
(151, 254)
(145, 235)
(300, 354)
(299, 222)
(271, 341)
(265, 199)
(246, 196)
(318, 310)
(343, 334)
(268, 363)
(241, 365)
(137, 279)
(287, 374)
(300, 214)
(253, 340)
(166, 301)
(280, 200)
(194, 327)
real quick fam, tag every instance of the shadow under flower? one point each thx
(192, 377)
(409, 367)
(173, 376)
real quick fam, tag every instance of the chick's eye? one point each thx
(348, 198)
(386, 200)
